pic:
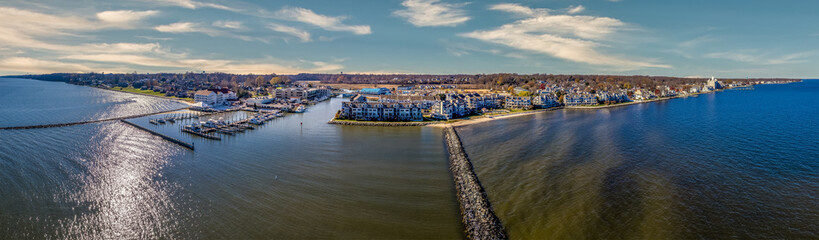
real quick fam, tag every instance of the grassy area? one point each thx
(148, 92)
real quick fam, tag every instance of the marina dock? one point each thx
(173, 140)
(206, 129)
(480, 222)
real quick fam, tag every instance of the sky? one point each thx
(695, 38)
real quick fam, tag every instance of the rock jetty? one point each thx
(479, 220)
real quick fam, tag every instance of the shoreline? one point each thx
(486, 118)
(142, 94)
(465, 122)
(480, 119)
(111, 89)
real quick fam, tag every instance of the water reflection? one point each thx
(722, 165)
(122, 193)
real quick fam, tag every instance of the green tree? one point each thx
(275, 80)
(259, 81)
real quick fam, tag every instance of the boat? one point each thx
(196, 130)
(210, 124)
(160, 121)
(299, 109)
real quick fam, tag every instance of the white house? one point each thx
(214, 97)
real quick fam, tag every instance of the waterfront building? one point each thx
(578, 99)
(713, 84)
(375, 91)
(643, 94)
(305, 93)
(545, 100)
(612, 97)
(464, 104)
(383, 111)
(213, 97)
(259, 100)
(518, 102)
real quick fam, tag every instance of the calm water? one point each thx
(284, 180)
(735, 164)
(29, 102)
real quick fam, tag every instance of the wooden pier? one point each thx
(173, 140)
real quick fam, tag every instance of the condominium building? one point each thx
(518, 102)
(545, 100)
(577, 99)
(305, 93)
(383, 111)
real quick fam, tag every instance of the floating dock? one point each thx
(173, 140)
(479, 220)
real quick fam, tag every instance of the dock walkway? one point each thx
(173, 140)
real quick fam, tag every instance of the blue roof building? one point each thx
(375, 91)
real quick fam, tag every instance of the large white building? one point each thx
(214, 97)
(309, 94)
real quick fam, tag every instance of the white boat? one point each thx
(299, 109)
(210, 124)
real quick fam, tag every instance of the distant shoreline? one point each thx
(148, 95)
(189, 103)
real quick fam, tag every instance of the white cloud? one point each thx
(190, 4)
(754, 57)
(192, 27)
(229, 24)
(299, 33)
(432, 13)
(118, 48)
(519, 10)
(577, 9)
(697, 41)
(181, 27)
(52, 34)
(124, 16)
(568, 37)
(326, 67)
(31, 30)
(326, 22)
(260, 66)
(31, 65)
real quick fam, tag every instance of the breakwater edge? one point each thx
(480, 222)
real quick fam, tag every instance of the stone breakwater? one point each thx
(479, 220)
(87, 122)
(379, 124)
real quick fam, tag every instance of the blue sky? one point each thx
(625, 37)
